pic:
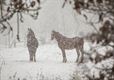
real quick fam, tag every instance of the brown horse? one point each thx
(69, 43)
(32, 44)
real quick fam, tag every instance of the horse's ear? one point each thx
(28, 29)
(53, 31)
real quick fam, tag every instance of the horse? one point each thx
(32, 44)
(69, 43)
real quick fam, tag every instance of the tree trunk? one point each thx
(1, 8)
(18, 27)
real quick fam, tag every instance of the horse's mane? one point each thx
(31, 33)
(58, 34)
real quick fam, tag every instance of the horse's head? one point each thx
(29, 30)
(53, 35)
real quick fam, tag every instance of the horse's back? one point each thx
(71, 43)
(79, 42)
(78, 39)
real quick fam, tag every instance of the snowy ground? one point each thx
(49, 64)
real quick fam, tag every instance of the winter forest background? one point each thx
(93, 20)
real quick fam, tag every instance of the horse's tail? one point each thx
(81, 46)
(82, 43)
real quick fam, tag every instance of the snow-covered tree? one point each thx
(18, 7)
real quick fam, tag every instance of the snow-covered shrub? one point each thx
(75, 76)
(101, 53)
(102, 71)
(100, 64)
(28, 76)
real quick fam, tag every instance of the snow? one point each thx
(95, 70)
(104, 49)
(49, 63)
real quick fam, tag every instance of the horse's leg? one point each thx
(82, 54)
(30, 55)
(35, 56)
(78, 54)
(81, 58)
(64, 56)
(34, 51)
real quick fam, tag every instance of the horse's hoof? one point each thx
(81, 61)
(64, 61)
(76, 61)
